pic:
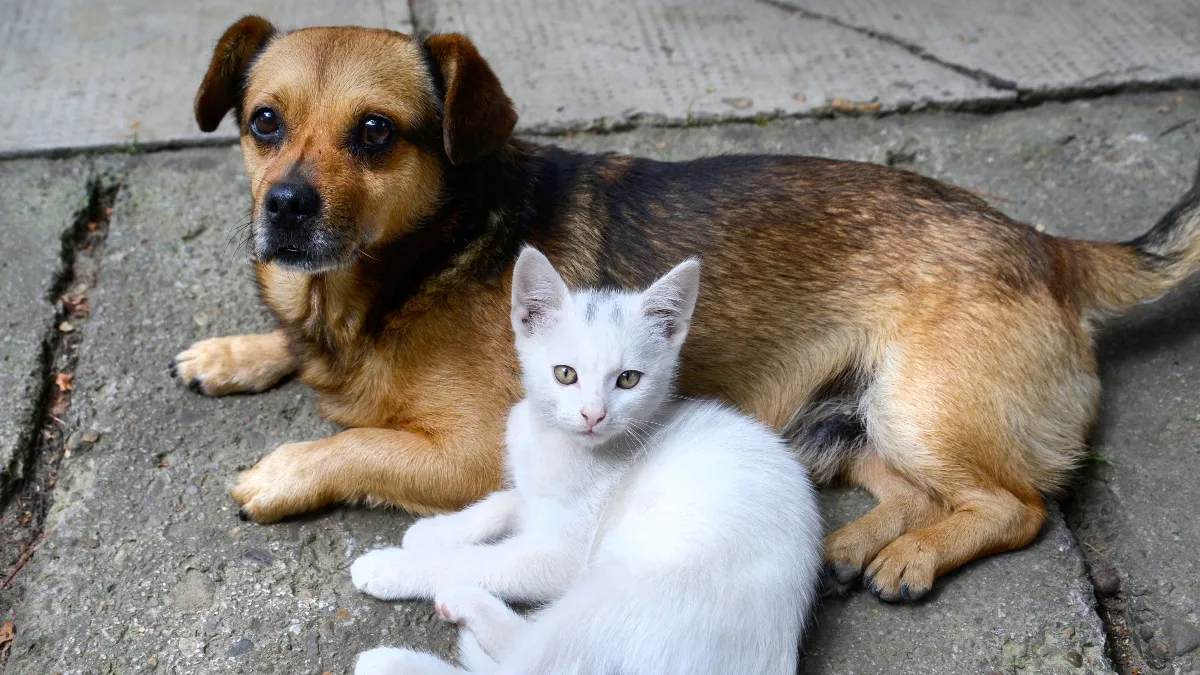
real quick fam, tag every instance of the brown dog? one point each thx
(904, 334)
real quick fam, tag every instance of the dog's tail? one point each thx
(1113, 277)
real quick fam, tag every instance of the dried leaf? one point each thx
(6, 633)
(843, 105)
(64, 381)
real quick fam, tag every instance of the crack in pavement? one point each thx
(27, 503)
(979, 75)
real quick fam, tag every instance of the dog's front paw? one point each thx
(392, 661)
(238, 363)
(903, 571)
(284, 483)
(386, 574)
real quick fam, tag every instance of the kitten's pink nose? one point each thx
(592, 416)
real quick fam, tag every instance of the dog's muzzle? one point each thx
(291, 231)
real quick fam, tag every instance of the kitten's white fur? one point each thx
(677, 537)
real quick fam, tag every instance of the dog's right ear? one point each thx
(477, 116)
(221, 88)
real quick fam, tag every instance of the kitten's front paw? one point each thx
(384, 574)
(431, 533)
(392, 661)
(462, 605)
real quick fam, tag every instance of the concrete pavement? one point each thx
(141, 564)
(84, 75)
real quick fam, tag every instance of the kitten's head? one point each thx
(597, 363)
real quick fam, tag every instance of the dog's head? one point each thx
(347, 133)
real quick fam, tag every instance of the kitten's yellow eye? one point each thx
(565, 375)
(629, 379)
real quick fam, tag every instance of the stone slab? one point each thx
(39, 202)
(79, 74)
(1136, 506)
(146, 567)
(1040, 45)
(604, 63)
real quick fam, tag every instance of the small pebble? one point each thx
(1106, 581)
(239, 647)
(1074, 658)
(74, 441)
(1181, 637)
(259, 556)
(256, 440)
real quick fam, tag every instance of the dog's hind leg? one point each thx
(902, 507)
(233, 364)
(377, 466)
(984, 522)
(981, 411)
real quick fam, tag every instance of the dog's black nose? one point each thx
(292, 203)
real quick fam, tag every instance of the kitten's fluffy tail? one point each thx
(1113, 277)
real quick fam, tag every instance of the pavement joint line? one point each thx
(1025, 99)
(29, 500)
(422, 16)
(1121, 648)
(977, 74)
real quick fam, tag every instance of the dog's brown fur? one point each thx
(904, 334)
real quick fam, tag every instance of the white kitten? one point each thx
(670, 536)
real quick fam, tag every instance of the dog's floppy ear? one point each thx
(221, 87)
(477, 116)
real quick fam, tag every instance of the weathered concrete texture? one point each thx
(39, 201)
(1029, 612)
(607, 62)
(78, 73)
(1136, 509)
(146, 567)
(1039, 45)
(145, 562)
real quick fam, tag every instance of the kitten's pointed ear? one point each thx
(538, 293)
(671, 300)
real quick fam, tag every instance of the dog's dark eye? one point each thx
(375, 132)
(264, 123)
